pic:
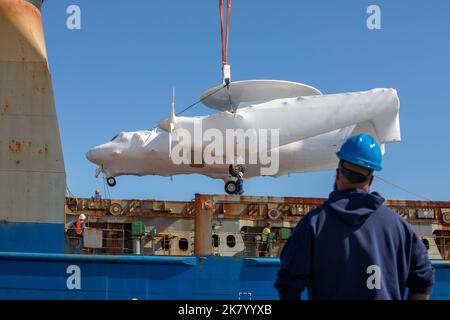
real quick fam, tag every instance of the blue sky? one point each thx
(117, 72)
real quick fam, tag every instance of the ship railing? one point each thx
(251, 245)
(248, 244)
(100, 240)
(120, 241)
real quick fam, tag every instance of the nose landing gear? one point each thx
(235, 186)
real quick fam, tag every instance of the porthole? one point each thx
(183, 244)
(231, 241)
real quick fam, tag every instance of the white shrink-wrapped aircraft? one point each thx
(263, 128)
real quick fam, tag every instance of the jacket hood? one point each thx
(354, 206)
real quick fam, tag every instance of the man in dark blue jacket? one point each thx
(353, 247)
(240, 184)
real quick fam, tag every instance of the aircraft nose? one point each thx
(93, 155)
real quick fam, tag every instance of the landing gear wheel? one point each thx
(235, 169)
(111, 181)
(230, 187)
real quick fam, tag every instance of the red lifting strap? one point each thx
(227, 31)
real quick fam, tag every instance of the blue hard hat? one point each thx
(361, 150)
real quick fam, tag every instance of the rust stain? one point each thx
(415, 203)
(18, 147)
(43, 150)
(18, 162)
(312, 201)
(15, 146)
(24, 23)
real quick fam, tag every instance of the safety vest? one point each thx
(265, 233)
(78, 227)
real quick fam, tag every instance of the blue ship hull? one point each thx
(65, 276)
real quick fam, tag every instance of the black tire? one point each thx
(230, 187)
(111, 181)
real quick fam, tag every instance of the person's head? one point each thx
(240, 174)
(97, 191)
(359, 157)
(268, 224)
(350, 176)
(82, 216)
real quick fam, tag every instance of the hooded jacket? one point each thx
(353, 247)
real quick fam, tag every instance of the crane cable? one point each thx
(200, 100)
(224, 42)
(187, 108)
(403, 189)
(226, 71)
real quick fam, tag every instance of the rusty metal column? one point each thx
(32, 174)
(204, 210)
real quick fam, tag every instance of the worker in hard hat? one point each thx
(240, 183)
(264, 239)
(97, 195)
(352, 246)
(80, 225)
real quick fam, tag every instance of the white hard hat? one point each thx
(241, 174)
(82, 216)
